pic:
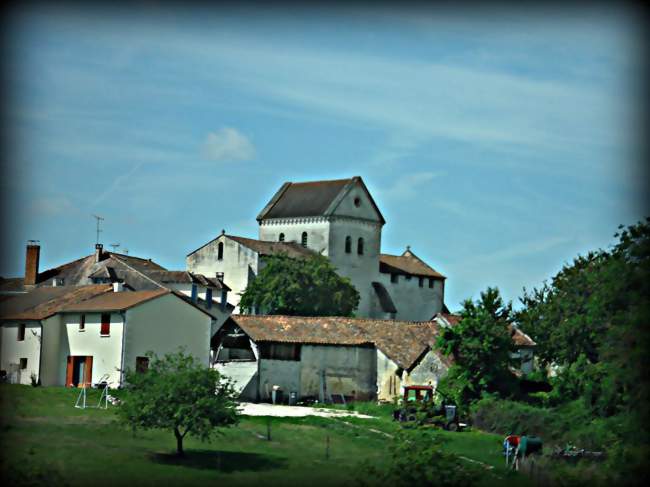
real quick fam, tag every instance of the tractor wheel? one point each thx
(452, 426)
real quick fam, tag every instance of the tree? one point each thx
(593, 319)
(305, 287)
(177, 393)
(480, 344)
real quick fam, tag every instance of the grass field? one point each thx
(46, 440)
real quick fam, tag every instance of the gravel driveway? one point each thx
(252, 409)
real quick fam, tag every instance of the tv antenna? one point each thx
(99, 219)
(115, 246)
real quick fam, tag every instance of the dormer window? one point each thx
(281, 237)
(348, 244)
(360, 246)
(220, 251)
(304, 239)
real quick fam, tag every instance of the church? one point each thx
(338, 219)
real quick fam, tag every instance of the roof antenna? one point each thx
(99, 219)
(115, 246)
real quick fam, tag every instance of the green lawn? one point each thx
(46, 440)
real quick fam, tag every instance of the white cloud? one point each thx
(228, 144)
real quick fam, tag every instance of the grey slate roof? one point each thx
(407, 263)
(292, 249)
(312, 198)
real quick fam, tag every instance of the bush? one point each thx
(416, 457)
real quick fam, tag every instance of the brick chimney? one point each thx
(32, 257)
(98, 252)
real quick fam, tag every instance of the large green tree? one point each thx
(303, 287)
(179, 394)
(481, 345)
(592, 321)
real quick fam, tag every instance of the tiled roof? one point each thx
(112, 301)
(311, 198)
(404, 342)
(11, 285)
(40, 303)
(520, 338)
(292, 249)
(327, 330)
(407, 263)
(448, 318)
(185, 277)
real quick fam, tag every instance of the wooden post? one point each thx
(268, 429)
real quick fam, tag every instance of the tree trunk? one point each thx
(179, 443)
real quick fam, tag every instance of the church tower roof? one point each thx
(312, 198)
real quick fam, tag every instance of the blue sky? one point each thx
(498, 145)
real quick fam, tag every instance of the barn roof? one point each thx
(404, 342)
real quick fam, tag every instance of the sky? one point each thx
(498, 144)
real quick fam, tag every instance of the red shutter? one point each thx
(88, 370)
(106, 325)
(68, 372)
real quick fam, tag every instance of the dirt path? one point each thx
(278, 410)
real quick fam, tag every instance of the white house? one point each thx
(68, 335)
(338, 219)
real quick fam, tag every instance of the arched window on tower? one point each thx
(360, 246)
(281, 237)
(304, 239)
(348, 244)
(220, 251)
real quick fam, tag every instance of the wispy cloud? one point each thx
(407, 186)
(228, 144)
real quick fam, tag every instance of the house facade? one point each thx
(74, 335)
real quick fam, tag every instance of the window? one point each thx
(304, 239)
(21, 332)
(421, 282)
(408, 277)
(281, 237)
(393, 278)
(23, 363)
(357, 202)
(280, 351)
(360, 246)
(141, 364)
(220, 251)
(348, 244)
(105, 330)
(431, 282)
(82, 323)
(208, 297)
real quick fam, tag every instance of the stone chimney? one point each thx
(99, 248)
(32, 257)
